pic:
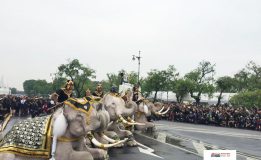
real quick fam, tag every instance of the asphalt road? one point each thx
(161, 151)
(201, 137)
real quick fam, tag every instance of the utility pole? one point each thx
(137, 57)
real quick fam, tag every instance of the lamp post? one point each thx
(137, 57)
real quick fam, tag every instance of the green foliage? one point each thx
(37, 87)
(58, 82)
(158, 80)
(133, 77)
(201, 80)
(249, 78)
(113, 79)
(225, 84)
(181, 87)
(78, 73)
(13, 90)
(247, 99)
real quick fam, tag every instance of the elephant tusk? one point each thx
(136, 123)
(110, 124)
(101, 145)
(130, 123)
(157, 113)
(130, 120)
(108, 139)
(166, 111)
(122, 119)
(161, 109)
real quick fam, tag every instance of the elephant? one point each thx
(76, 119)
(145, 110)
(101, 151)
(118, 109)
(158, 108)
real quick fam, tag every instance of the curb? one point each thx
(7, 119)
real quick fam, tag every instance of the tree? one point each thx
(242, 80)
(37, 87)
(254, 75)
(249, 78)
(181, 87)
(13, 90)
(133, 77)
(201, 79)
(58, 82)
(78, 73)
(247, 99)
(158, 80)
(113, 79)
(171, 76)
(224, 84)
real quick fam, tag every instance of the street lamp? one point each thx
(137, 57)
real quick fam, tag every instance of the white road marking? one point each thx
(222, 133)
(199, 148)
(162, 137)
(148, 148)
(248, 158)
(145, 151)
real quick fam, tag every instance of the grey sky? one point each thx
(36, 36)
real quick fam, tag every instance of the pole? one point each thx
(139, 69)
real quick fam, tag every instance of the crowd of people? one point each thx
(226, 116)
(24, 106)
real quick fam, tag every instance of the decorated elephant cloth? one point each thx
(30, 137)
(82, 104)
(33, 137)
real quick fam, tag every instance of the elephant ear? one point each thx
(69, 113)
(131, 104)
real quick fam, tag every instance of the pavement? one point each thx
(197, 138)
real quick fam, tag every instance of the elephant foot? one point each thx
(106, 157)
(132, 143)
(99, 154)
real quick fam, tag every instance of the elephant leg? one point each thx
(80, 155)
(7, 156)
(126, 133)
(65, 151)
(151, 130)
(98, 153)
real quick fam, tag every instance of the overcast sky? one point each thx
(36, 36)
